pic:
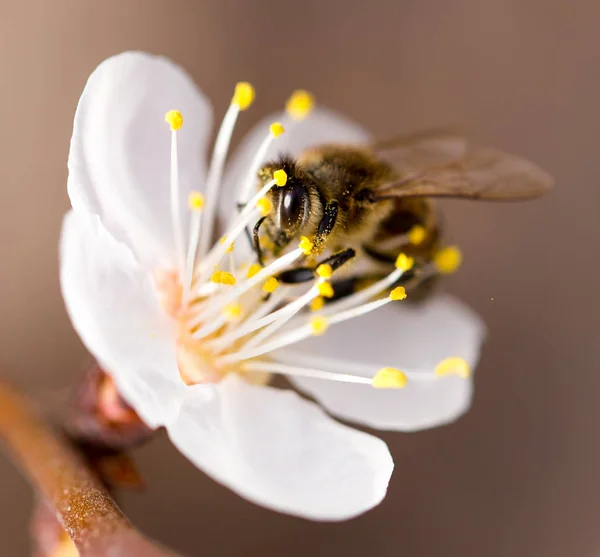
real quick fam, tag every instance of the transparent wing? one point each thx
(482, 174)
(419, 151)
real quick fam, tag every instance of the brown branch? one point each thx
(82, 505)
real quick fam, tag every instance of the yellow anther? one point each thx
(404, 263)
(227, 278)
(232, 311)
(264, 205)
(326, 290)
(448, 260)
(398, 293)
(317, 303)
(300, 104)
(270, 285)
(174, 119)
(280, 177)
(253, 270)
(196, 201)
(453, 366)
(216, 277)
(416, 235)
(306, 245)
(276, 129)
(229, 247)
(325, 270)
(243, 96)
(389, 378)
(318, 324)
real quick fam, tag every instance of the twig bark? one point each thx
(82, 505)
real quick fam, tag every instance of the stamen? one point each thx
(259, 319)
(295, 371)
(404, 263)
(245, 285)
(175, 121)
(317, 325)
(453, 366)
(275, 130)
(300, 105)
(389, 378)
(264, 205)
(243, 96)
(247, 214)
(276, 320)
(375, 289)
(271, 285)
(326, 290)
(317, 304)
(242, 99)
(196, 204)
(416, 235)
(254, 268)
(233, 312)
(448, 260)
(306, 245)
(325, 270)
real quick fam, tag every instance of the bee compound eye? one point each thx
(291, 207)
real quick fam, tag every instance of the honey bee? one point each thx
(369, 198)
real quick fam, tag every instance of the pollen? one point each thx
(253, 270)
(398, 293)
(280, 177)
(404, 263)
(325, 270)
(448, 260)
(196, 201)
(232, 311)
(317, 304)
(270, 285)
(264, 205)
(326, 290)
(216, 277)
(300, 104)
(227, 278)
(229, 247)
(276, 129)
(416, 235)
(318, 325)
(453, 366)
(306, 245)
(174, 119)
(389, 378)
(243, 96)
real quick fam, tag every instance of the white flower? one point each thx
(193, 353)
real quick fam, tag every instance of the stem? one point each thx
(82, 505)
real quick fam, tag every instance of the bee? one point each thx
(368, 198)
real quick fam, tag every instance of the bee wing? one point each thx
(421, 150)
(482, 174)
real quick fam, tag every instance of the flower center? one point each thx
(234, 315)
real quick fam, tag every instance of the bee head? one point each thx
(291, 203)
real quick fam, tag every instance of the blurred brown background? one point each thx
(519, 475)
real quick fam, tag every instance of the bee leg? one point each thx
(256, 242)
(326, 225)
(307, 274)
(339, 258)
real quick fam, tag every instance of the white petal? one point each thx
(281, 451)
(113, 307)
(120, 151)
(322, 126)
(401, 336)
